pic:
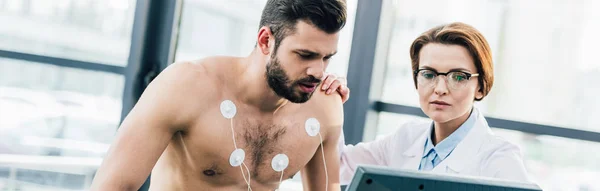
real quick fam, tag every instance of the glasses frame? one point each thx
(437, 74)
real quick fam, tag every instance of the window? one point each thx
(210, 28)
(543, 56)
(88, 30)
(557, 163)
(543, 66)
(56, 124)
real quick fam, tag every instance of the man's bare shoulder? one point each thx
(193, 84)
(201, 74)
(219, 66)
(319, 97)
(186, 76)
(328, 107)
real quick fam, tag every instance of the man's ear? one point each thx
(265, 40)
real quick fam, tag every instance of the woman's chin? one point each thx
(439, 116)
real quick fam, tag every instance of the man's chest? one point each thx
(266, 150)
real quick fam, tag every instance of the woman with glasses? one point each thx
(452, 68)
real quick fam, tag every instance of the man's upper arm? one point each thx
(145, 132)
(330, 110)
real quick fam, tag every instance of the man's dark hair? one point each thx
(281, 16)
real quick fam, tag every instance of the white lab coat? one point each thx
(480, 153)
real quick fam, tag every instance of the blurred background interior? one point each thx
(71, 69)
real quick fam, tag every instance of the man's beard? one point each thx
(281, 85)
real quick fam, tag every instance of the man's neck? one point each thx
(254, 89)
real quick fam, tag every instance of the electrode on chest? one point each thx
(237, 157)
(280, 162)
(228, 109)
(312, 126)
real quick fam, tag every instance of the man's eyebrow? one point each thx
(313, 53)
(330, 55)
(306, 51)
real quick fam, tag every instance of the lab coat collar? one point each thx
(415, 151)
(466, 150)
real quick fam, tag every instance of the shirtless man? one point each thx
(179, 131)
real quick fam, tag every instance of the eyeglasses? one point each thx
(454, 80)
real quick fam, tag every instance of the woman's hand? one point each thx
(333, 83)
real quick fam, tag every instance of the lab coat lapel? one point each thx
(467, 149)
(414, 153)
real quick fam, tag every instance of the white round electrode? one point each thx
(312, 126)
(228, 109)
(237, 157)
(280, 162)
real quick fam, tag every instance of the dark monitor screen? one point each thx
(370, 178)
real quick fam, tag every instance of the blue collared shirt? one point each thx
(434, 155)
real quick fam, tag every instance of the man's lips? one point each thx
(308, 87)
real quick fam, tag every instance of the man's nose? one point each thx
(316, 69)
